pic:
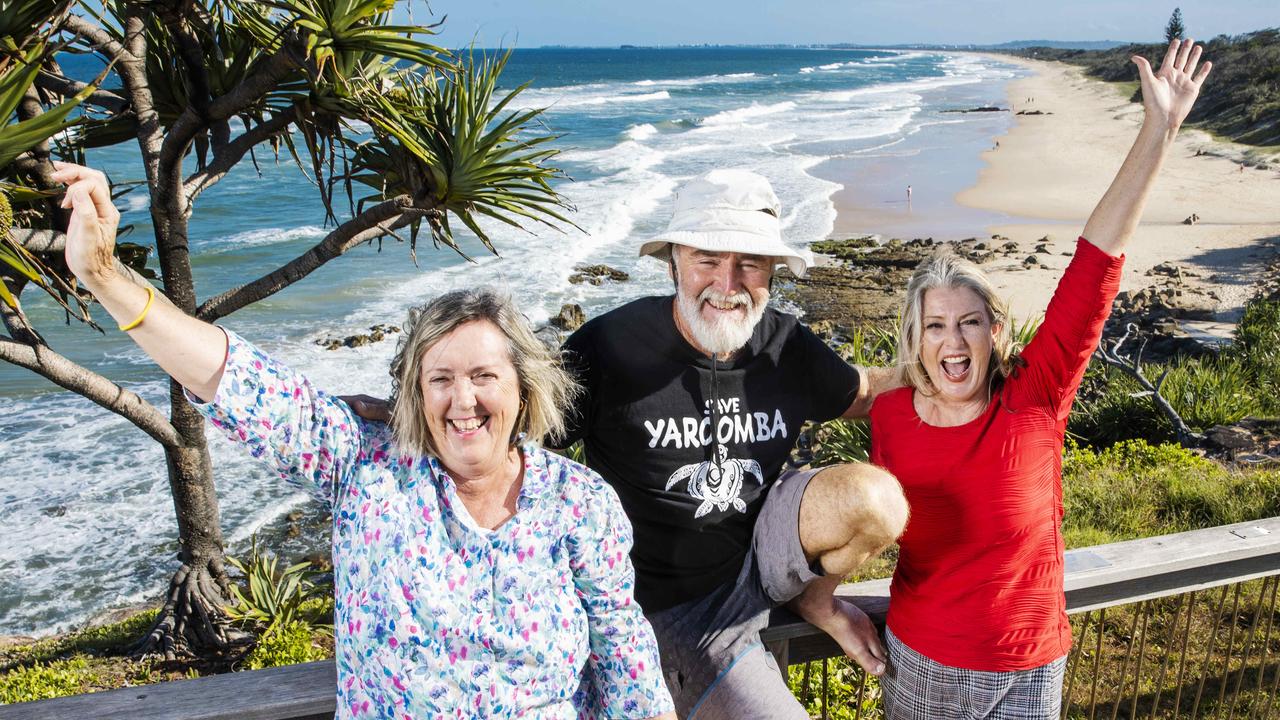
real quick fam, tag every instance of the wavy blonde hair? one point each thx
(946, 269)
(546, 389)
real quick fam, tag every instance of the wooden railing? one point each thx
(1096, 578)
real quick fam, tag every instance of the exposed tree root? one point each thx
(191, 621)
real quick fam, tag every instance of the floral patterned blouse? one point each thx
(435, 616)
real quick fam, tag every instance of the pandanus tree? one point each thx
(395, 133)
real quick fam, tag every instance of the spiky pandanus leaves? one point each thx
(24, 22)
(441, 135)
(351, 48)
(18, 136)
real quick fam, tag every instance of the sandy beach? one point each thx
(1046, 174)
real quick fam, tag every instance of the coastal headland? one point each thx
(1211, 219)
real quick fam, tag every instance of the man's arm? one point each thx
(871, 382)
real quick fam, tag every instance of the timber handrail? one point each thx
(1096, 577)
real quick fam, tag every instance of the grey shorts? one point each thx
(715, 664)
(918, 688)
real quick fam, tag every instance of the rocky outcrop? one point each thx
(597, 274)
(570, 318)
(1250, 441)
(377, 333)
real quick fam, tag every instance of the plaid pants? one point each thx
(917, 688)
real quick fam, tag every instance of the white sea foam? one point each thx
(136, 200)
(569, 99)
(267, 236)
(640, 132)
(613, 99)
(694, 81)
(741, 115)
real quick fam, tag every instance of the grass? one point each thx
(81, 662)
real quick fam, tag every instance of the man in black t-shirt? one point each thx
(692, 405)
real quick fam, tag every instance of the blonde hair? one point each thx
(546, 389)
(948, 270)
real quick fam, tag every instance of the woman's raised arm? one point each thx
(1167, 97)
(190, 350)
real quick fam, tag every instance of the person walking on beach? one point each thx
(692, 403)
(475, 574)
(977, 624)
(908, 195)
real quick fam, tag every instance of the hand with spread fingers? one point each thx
(1169, 93)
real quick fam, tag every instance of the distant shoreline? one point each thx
(1050, 169)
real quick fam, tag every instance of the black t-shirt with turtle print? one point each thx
(645, 420)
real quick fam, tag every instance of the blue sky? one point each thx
(530, 23)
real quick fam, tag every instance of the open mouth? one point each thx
(468, 426)
(956, 367)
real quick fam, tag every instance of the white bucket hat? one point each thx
(727, 211)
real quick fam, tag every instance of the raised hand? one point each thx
(1169, 93)
(91, 234)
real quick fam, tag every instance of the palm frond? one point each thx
(444, 136)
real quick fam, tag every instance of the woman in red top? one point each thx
(977, 624)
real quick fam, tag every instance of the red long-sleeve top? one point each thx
(979, 577)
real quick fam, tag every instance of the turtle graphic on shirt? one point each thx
(717, 484)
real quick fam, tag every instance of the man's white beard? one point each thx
(724, 334)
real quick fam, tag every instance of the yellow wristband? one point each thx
(151, 295)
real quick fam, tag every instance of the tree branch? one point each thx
(98, 38)
(15, 320)
(1132, 366)
(372, 223)
(45, 242)
(66, 87)
(61, 371)
(230, 154)
(265, 78)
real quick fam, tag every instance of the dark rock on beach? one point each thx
(571, 317)
(864, 288)
(1156, 309)
(1250, 441)
(597, 274)
(377, 333)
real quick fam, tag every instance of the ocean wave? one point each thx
(627, 154)
(693, 81)
(611, 99)
(581, 99)
(265, 236)
(754, 110)
(830, 66)
(136, 200)
(641, 132)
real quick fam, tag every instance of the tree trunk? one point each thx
(192, 618)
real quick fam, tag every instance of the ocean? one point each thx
(89, 522)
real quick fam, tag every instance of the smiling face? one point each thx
(471, 397)
(719, 297)
(956, 344)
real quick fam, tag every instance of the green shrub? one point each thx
(1135, 489)
(842, 685)
(41, 681)
(1208, 391)
(290, 644)
(271, 598)
(1258, 347)
(841, 441)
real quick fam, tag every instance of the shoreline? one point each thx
(1041, 181)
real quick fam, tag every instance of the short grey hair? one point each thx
(946, 269)
(546, 389)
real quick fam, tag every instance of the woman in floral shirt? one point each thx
(475, 576)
